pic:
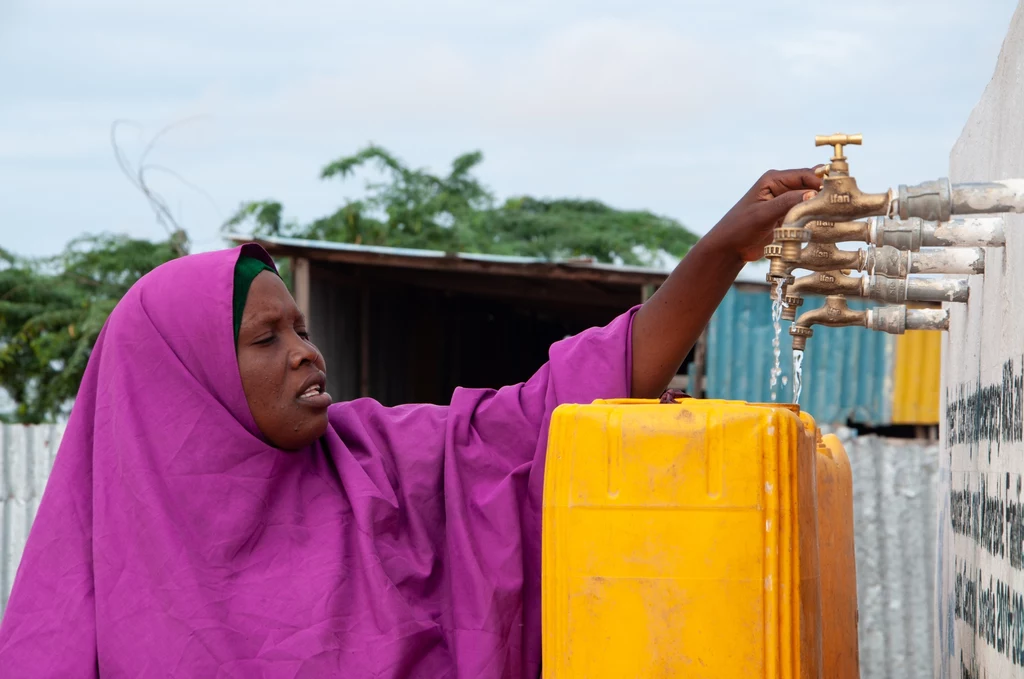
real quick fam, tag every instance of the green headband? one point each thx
(246, 270)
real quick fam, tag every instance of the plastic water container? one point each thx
(840, 650)
(681, 540)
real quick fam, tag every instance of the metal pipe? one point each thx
(988, 197)
(896, 320)
(927, 319)
(915, 289)
(892, 263)
(947, 260)
(914, 233)
(938, 200)
(983, 232)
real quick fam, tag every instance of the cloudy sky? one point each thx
(670, 106)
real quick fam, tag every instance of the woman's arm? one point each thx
(669, 323)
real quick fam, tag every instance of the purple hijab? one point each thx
(173, 541)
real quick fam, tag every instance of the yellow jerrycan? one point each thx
(840, 649)
(681, 540)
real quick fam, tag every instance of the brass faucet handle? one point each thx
(822, 170)
(838, 141)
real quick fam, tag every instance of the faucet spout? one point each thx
(835, 313)
(837, 282)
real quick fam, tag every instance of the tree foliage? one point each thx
(52, 309)
(454, 212)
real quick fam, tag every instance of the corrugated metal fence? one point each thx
(26, 456)
(895, 482)
(894, 487)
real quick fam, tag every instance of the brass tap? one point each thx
(894, 319)
(816, 257)
(791, 239)
(818, 283)
(834, 314)
(840, 199)
(822, 231)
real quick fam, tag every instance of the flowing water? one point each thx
(798, 374)
(776, 342)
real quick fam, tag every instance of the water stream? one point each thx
(798, 374)
(776, 342)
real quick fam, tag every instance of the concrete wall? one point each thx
(979, 628)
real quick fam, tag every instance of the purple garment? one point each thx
(173, 541)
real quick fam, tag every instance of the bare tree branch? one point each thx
(136, 175)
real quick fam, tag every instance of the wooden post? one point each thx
(646, 292)
(364, 342)
(700, 355)
(300, 280)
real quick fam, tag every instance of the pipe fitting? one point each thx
(791, 240)
(778, 270)
(928, 200)
(800, 335)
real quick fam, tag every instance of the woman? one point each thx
(210, 514)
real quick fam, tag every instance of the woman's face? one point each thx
(283, 374)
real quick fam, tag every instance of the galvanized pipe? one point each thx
(892, 263)
(947, 260)
(938, 200)
(901, 290)
(913, 233)
(896, 320)
(982, 232)
(927, 319)
(988, 197)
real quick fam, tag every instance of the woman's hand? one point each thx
(747, 228)
(668, 324)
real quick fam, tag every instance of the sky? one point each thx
(672, 106)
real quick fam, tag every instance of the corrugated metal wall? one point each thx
(894, 508)
(895, 482)
(26, 456)
(849, 374)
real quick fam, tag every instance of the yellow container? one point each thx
(916, 370)
(680, 540)
(837, 561)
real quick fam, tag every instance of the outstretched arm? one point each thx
(669, 323)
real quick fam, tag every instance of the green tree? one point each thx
(52, 309)
(455, 213)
